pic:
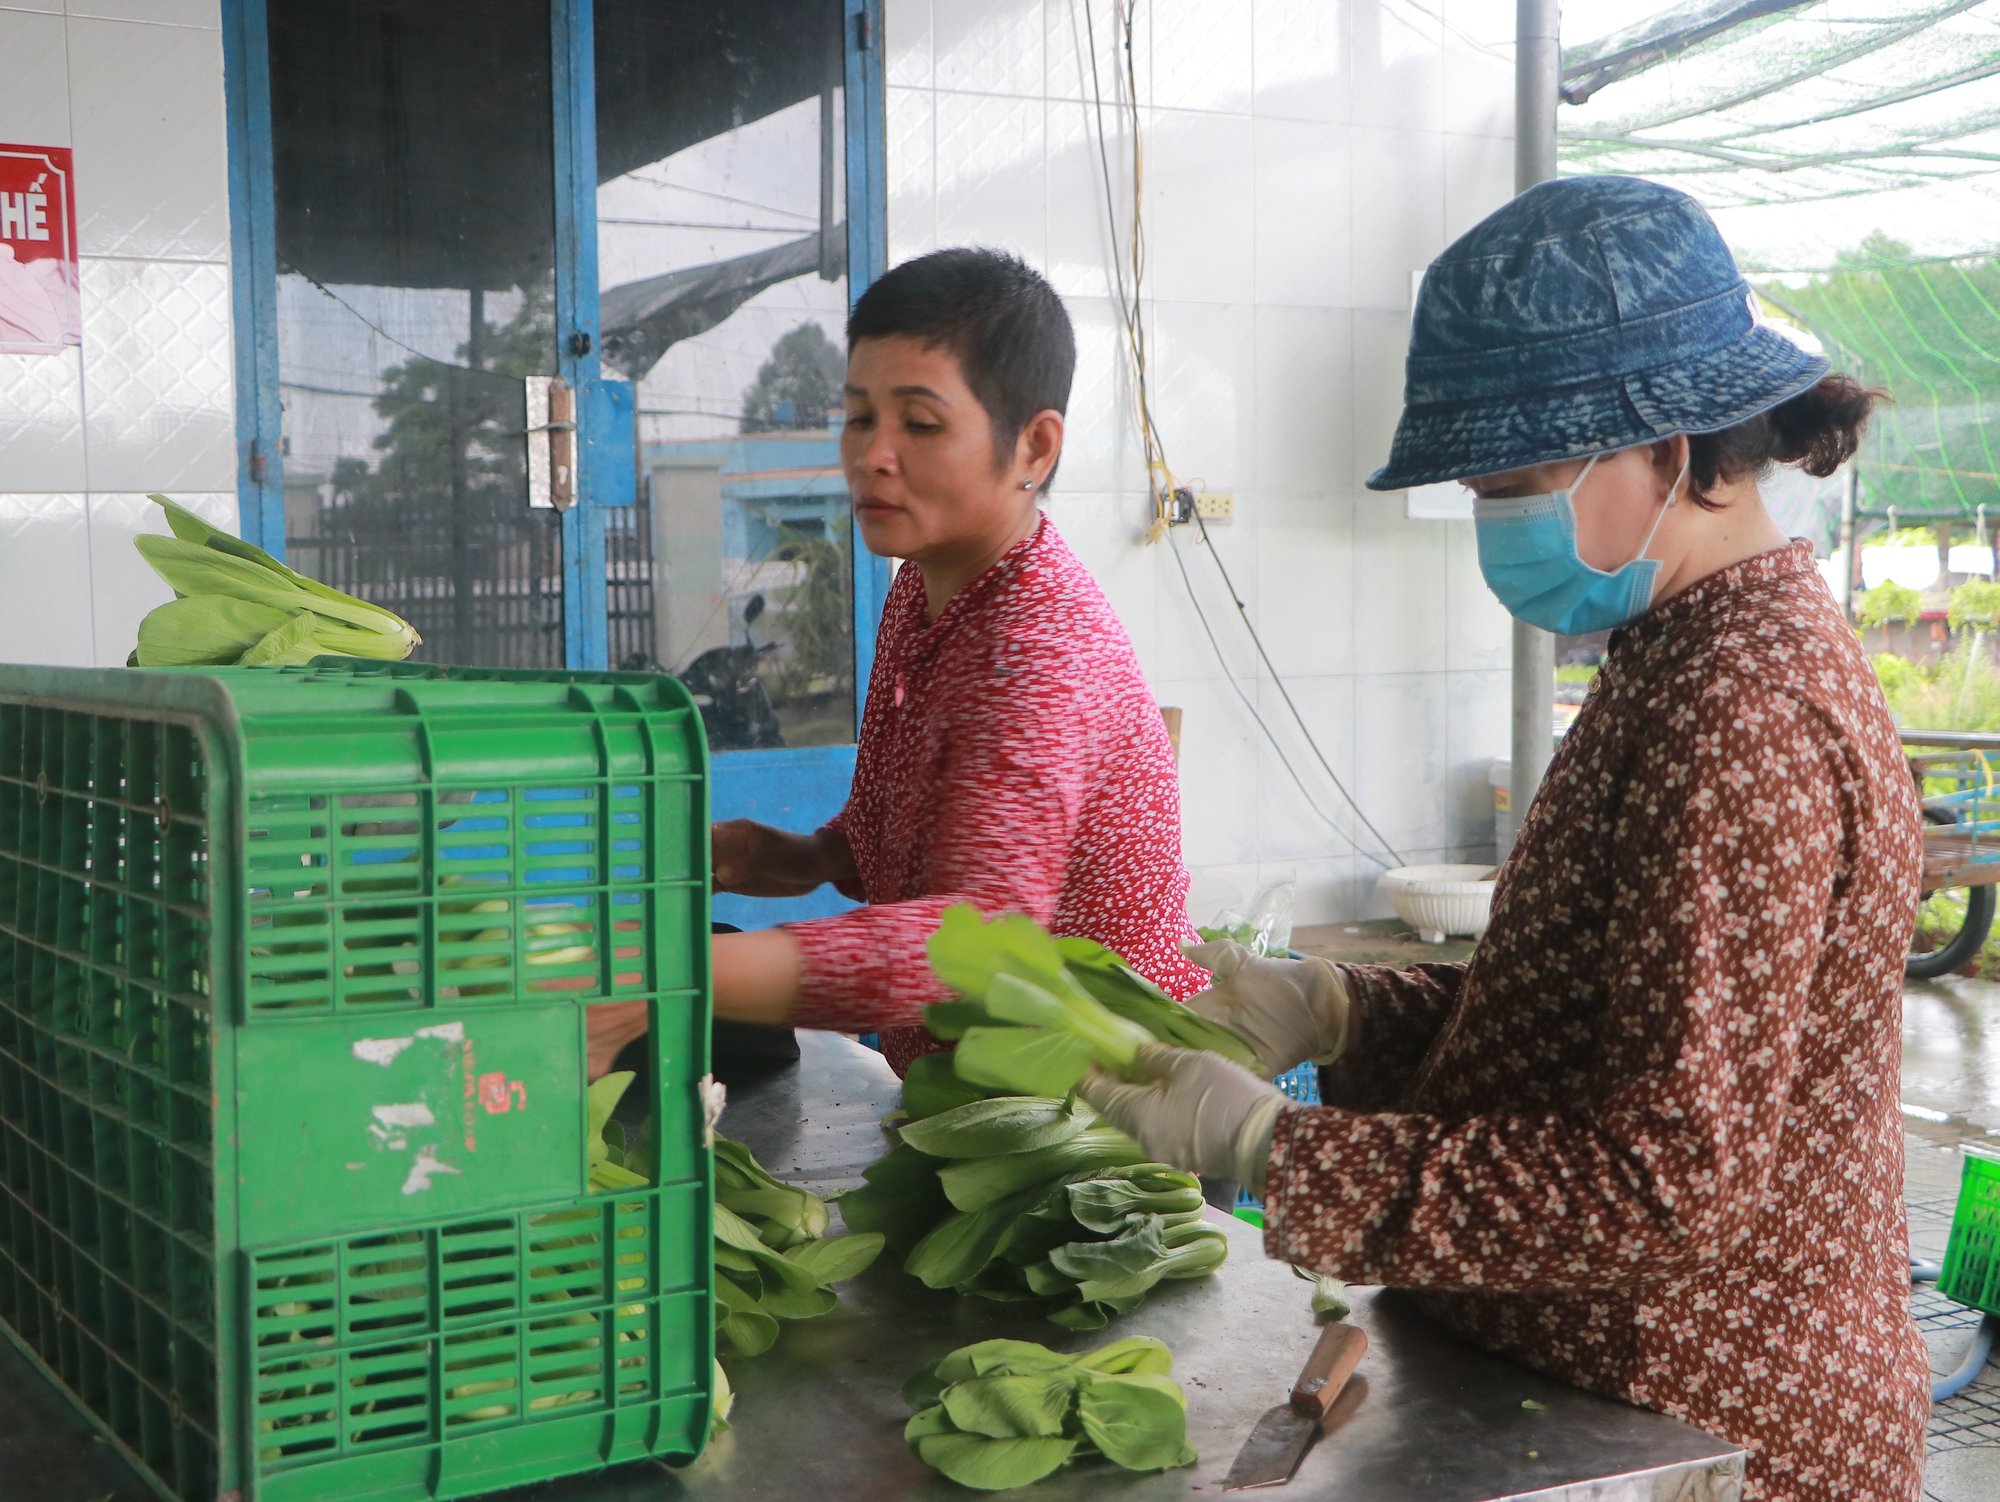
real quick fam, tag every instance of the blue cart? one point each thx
(1958, 779)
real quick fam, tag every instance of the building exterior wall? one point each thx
(1303, 158)
(134, 89)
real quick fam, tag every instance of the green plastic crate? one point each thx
(293, 974)
(1971, 1272)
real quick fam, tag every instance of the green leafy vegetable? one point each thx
(773, 1258)
(998, 1168)
(1124, 991)
(1105, 1204)
(901, 1198)
(1139, 1420)
(1008, 1407)
(993, 1464)
(932, 1086)
(240, 605)
(1136, 1353)
(960, 1246)
(1028, 1059)
(1015, 972)
(1329, 1299)
(789, 1215)
(975, 1183)
(724, 1400)
(1004, 1124)
(1004, 1413)
(1078, 1003)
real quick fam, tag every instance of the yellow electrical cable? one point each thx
(1159, 475)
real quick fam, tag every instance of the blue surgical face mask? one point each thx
(1527, 551)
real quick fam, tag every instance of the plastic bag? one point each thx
(1267, 929)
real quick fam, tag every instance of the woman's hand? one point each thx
(1290, 1010)
(755, 860)
(755, 978)
(1199, 1112)
(611, 1026)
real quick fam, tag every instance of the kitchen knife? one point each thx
(1283, 1435)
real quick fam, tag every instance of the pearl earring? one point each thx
(1028, 484)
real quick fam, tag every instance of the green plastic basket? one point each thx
(293, 974)
(1971, 1272)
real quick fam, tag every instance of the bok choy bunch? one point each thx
(773, 1258)
(1027, 1199)
(1004, 1413)
(237, 604)
(1003, 1185)
(1036, 1012)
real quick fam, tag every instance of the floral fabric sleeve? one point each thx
(1007, 813)
(1394, 1017)
(1710, 953)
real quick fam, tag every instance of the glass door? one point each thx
(722, 287)
(413, 181)
(539, 311)
(739, 205)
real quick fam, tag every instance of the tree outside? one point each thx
(439, 528)
(1928, 333)
(798, 386)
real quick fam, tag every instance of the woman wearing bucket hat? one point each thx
(1647, 1138)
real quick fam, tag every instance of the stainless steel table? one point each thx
(819, 1418)
(1429, 1419)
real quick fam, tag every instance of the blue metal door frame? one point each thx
(867, 258)
(801, 789)
(573, 87)
(797, 788)
(253, 272)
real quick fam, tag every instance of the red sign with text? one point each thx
(40, 310)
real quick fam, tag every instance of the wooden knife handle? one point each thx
(1332, 1362)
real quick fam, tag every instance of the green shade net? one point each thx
(1849, 150)
(1927, 332)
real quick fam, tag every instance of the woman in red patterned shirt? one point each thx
(1010, 753)
(1647, 1138)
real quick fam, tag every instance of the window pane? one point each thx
(413, 172)
(722, 263)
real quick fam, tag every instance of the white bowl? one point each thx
(1441, 900)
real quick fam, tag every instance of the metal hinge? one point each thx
(551, 429)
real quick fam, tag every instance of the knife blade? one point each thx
(1272, 1453)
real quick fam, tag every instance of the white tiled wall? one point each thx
(1302, 158)
(134, 88)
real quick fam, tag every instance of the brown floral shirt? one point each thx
(1647, 1139)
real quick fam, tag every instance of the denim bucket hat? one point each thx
(1590, 314)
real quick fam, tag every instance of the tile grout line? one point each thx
(82, 379)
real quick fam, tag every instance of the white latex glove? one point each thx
(1290, 1010)
(1199, 1112)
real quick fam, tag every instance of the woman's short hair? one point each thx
(1819, 430)
(998, 316)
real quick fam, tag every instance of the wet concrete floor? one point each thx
(1951, 1099)
(1951, 1048)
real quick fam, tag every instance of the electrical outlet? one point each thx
(1215, 505)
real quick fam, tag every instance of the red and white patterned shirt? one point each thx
(1011, 756)
(1647, 1139)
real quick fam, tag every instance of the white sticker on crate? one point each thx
(393, 1121)
(381, 1051)
(412, 1115)
(426, 1165)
